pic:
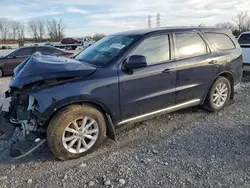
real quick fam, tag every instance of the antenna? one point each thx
(158, 20)
(149, 22)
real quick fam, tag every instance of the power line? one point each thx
(149, 22)
(158, 20)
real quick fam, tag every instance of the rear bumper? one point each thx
(246, 66)
(6, 129)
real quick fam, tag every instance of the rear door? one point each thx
(196, 66)
(18, 57)
(151, 88)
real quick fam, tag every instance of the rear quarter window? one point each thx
(220, 41)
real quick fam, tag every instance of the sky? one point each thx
(86, 17)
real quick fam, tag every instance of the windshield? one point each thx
(105, 50)
(244, 39)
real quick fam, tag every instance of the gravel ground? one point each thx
(189, 148)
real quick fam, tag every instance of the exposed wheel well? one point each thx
(109, 124)
(227, 75)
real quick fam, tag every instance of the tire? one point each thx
(211, 103)
(1, 73)
(57, 133)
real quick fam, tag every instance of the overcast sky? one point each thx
(85, 17)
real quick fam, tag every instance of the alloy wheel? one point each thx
(220, 95)
(80, 135)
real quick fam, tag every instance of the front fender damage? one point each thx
(21, 115)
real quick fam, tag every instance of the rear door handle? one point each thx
(213, 62)
(167, 70)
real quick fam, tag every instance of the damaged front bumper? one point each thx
(21, 114)
(6, 128)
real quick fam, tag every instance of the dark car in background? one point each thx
(10, 61)
(123, 78)
(70, 41)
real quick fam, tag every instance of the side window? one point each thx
(155, 49)
(221, 41)
(189, 45)
(244, 39)
(25, 52)
(47, 51)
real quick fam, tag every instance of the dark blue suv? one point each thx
(123, 78)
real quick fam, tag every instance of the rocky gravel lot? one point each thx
(189, 148)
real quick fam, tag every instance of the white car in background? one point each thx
(244, 41)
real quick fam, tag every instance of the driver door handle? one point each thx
(213, 62)
(167, 70)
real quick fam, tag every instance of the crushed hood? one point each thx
(42, 67)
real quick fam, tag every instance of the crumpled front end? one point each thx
(21, 113)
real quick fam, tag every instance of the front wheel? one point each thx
(218, 95)
(76, 131)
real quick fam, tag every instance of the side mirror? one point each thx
(135, 61)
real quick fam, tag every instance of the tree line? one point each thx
(38, 30)
(240, 23)
(54, 30)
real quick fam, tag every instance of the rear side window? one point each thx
(221, 41)
(189, 45)
(25, 52)
(48, 51)
(155, 49)
(244, 39)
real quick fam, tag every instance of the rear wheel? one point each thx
(76, 131)
(218, 95)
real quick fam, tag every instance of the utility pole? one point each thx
(158, 20)
(149, 22)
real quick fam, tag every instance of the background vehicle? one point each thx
(123, 78)
(11, 60)
(244, 41)
(70, 41)
(83, 42)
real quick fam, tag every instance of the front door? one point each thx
(151, 88)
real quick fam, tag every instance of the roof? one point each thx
(153, 30)
(246, 32)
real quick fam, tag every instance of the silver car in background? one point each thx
(244, 41)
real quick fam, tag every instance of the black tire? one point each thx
(62, 119)
(209, 103)
(1, 73)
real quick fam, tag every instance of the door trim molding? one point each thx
(162, 111)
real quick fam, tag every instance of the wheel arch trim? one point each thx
(101, 107)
